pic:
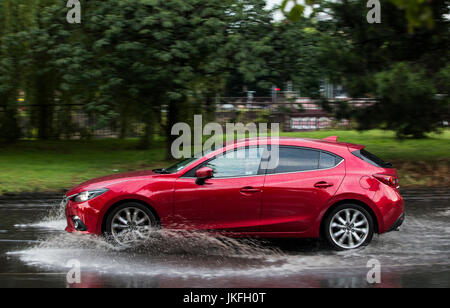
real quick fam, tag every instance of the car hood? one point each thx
(105, 181)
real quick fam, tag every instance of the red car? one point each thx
(318, 188)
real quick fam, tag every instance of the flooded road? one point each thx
(35, 251)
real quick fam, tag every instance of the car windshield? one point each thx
(177, 167)
(181, 164)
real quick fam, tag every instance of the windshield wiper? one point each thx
(161, 171)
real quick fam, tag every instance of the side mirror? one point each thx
(203, 174)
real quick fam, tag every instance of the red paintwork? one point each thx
(273, 205)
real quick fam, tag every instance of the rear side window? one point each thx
(372, 159)
(293, 159)
(328, 160)
(296, 159)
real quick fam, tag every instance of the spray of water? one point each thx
(168, 253)
(53, 219)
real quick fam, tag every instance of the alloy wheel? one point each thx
(131, 225)
(349, 228)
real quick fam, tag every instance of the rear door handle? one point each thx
(322, 184)
(249, 190)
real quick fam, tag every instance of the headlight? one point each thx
(88, 195)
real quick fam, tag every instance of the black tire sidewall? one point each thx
(343, 207)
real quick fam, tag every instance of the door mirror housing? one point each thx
(203, 174)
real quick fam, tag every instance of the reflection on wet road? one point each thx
(34, 251)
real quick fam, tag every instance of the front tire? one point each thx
(348, 226)
(130, 223)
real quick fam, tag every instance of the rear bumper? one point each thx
(390, 207)
(397, 223)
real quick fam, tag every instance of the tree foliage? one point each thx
(158, 62)
(386, 62)
(408, 102)
(418, 13)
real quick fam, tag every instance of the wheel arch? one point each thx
(351, 201)
(119, 203)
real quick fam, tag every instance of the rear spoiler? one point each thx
(355, 147)
(331, 138)
(351, 147)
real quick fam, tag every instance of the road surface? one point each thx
(35, 252)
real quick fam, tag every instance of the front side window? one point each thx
(240, 162)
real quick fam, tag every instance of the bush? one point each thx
(408, 103)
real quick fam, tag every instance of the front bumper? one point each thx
(82, 217)
(397, 223)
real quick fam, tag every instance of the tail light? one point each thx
(389, 180)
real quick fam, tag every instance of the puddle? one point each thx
(424, 241)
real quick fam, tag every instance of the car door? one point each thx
(296, 190)
(230, 201)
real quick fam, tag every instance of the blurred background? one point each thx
(84, 100)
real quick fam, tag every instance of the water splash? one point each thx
(424, 239)
(54, 219)
(56, 225)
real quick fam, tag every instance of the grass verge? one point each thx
(29, 166)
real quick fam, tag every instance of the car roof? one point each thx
(329, 141)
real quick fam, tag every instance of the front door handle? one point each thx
(322, 184)
(249, 190)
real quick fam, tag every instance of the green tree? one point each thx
(418, 13)
(249, 49)
(146, 54)
(407, 102)
(14, 19)
(273, 53)
(295, 58)
(364, 57)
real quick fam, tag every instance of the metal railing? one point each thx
(72, 121)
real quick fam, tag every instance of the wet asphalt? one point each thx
(36, 252)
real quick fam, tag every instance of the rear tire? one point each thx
(348, 226)
(129, 224)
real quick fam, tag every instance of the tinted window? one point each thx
(296, 159)
(328, 160)
(372, 159)
(241, 162)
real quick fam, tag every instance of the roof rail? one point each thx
(331, 138)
